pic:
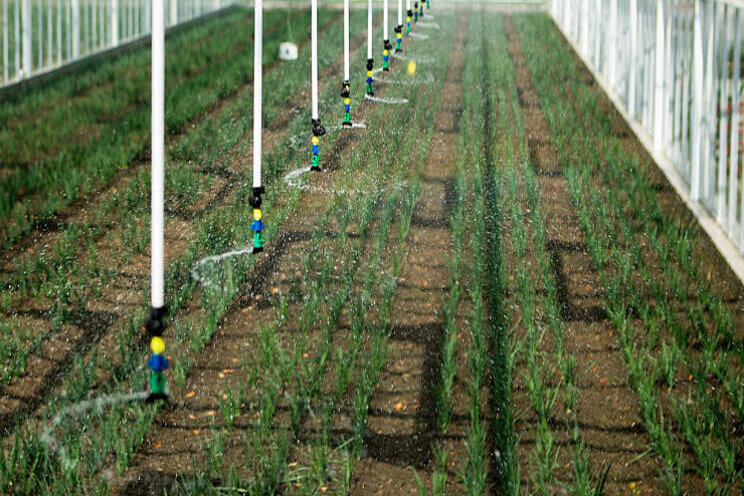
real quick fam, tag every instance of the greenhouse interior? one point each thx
(372, 247)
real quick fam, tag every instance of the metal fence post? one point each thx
(633, 57)
(659, 83)
(114, 22)
(696, 123)
(724, 111)
(612, 45)
(734, 141)
(27, 67)
(75, 29)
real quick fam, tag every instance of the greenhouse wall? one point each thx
(673, 69)
(39, 36)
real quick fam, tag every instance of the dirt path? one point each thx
(402, 423)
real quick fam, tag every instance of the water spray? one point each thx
(318, 129)
(386, 46)
(255, 201)
(370, 60)
(346, 85)
(155, 325)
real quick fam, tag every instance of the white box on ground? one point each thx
(288, 51)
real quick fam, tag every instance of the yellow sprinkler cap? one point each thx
(411, 68)
(157, 345)
(400, 35)
(369, 73)
(347, 100)
(315, 140)
(257, 214)
(384, 52)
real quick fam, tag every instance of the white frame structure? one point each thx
(39, 36)
(677, 82)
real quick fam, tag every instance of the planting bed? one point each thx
(491, 289)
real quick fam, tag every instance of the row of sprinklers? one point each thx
(155, 325)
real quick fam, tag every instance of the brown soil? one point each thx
(193, 412)
(402, 426)
(607, 409)
(104, 316)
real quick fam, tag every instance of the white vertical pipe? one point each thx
(257, 89)
(400, 12)
(158, 154)
(697, 103)
(314, 55)
(735, 118)
(659, 83)
(346, 41)
(369, 29)
(5, 41)
(75, 29)
(633, 57)
(115, 22)
(26, 30)
(385, 20)
(724, 112)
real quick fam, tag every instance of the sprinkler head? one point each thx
(345, 89)
(318, 130)
(154, 323)
(387, 45)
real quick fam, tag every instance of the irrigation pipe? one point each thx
(370, 60)
(419, 36)
(429, 25)
(154, 325)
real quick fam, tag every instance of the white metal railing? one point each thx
(43, 35)
(673, 68)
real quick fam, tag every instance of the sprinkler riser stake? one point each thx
(398, 37)
(409, 14)
(385, 55)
